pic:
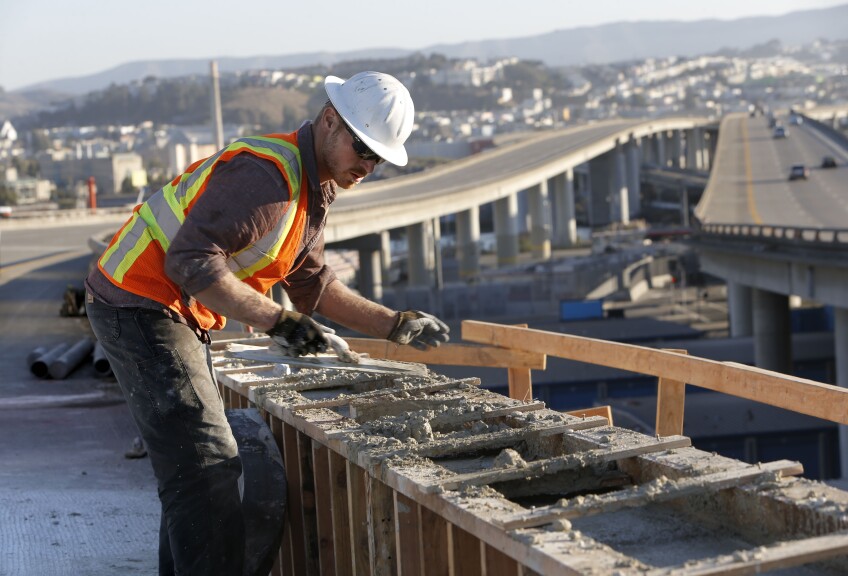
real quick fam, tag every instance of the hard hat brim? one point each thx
(394, 154)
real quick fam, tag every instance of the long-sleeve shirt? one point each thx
(243, 201)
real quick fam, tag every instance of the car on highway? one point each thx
(796, 120)
(828, 162)
(799, 172)
(780, 132)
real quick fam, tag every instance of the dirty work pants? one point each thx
(165, 374)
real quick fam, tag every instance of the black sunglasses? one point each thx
(362, 150)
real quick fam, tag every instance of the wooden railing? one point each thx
(674, 368)
(520, 350)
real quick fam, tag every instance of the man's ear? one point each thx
(329, 118)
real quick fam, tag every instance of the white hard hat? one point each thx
(378, 108)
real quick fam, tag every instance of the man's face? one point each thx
(343, 163)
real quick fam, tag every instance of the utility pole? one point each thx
(217, 121)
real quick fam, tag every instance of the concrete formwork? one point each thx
(420, 474)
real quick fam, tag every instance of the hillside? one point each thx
(274, 109)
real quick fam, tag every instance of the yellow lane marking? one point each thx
(749, 185)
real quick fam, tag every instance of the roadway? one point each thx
(750, 180)
(29, 240)
(482, 178)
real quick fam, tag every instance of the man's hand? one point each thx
(419, 329)
(298, 334)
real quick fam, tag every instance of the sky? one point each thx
(50, 39)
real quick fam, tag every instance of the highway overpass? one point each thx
(773, 239)
(541, 166)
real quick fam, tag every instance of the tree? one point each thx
(8, 197)
(127, 186)
(638, 100)
(25, 166)
(39, 140)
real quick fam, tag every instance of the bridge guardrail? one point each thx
(795, 236)
(827, 129)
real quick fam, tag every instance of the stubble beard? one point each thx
(341, 177)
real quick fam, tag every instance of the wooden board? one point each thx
(645, 494)
(447, 354)
(547, 466)
(331, 362)
(792, 393)
(347, 399)
(765, 558)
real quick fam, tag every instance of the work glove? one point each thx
(298, 334)
(419, 329)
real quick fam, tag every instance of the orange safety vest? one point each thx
(135, 258)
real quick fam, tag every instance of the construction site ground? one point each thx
(70, 502)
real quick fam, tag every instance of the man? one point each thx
(207, 247)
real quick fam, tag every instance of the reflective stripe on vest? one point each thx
(162, 215)
(129, 264)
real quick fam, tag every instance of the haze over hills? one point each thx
(598, 44)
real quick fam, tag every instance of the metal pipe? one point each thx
(101, 362)
(64, 364)
(41, 366)
(35, 355)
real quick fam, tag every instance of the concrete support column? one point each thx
(659, 146)
(506, 229)
(468, 243)
(772, 331)
(565, 221)
(540, 220)
(602, 183)
(633, 160)
(620, 204)
(386, 257)
(840, 353)
(583, 190)
(698, 149)
(646, 143)
(706, 149)
(419, 239)
(684, 206)
(740, 308)
(677, 160)
(371, 274)
(690, 149)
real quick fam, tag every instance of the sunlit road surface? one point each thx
(750, 182)
(45, 241)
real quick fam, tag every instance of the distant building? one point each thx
(189, 144)
(470, 73)
(109, 170)
(8, 139)
(8, 134)
(31, 190)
